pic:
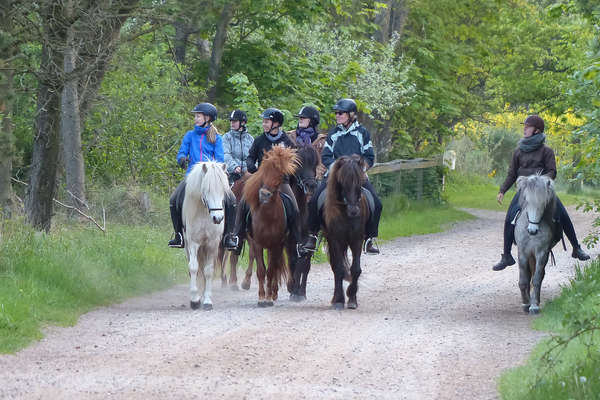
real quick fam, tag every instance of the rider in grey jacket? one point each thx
(236, 145)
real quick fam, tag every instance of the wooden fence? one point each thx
(418, 178)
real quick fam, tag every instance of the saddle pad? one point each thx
(366, 193)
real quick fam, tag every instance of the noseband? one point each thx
(210, 209)
(303, 182)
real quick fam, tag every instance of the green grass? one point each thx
(478, 192)
(53, 278)
(571, 370)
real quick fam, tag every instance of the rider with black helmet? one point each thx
(306, 131)
(236, 145)
(347, 138)
(272, 135)
(203, 143)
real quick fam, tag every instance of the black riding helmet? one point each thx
(311, 113)
(238, 115)
(206, 109)
(345, 105)
(274, 114)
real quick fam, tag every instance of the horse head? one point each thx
(345, 183)
(537, 192)
(307, 171)
(276, 164)
(208, 182)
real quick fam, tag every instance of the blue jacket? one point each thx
(196, 146)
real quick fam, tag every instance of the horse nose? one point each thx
(217, 219)
(353, 211)
(532, 229)
(264, 195)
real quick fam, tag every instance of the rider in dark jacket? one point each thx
(347, 138)
(273, 135)
(531, 157)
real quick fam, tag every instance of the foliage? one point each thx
(55, 277)
(566, 365)
(139, 120)
(247, 100)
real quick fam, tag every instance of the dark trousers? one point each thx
(176, 207)
(314, 220)
(560, 215)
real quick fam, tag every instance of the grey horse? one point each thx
(536, 233)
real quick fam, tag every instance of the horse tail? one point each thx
(281, 270)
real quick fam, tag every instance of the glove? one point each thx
(183, 162)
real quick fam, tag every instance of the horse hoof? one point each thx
(262, 304)
(338, 306)
(525, 308)
(207, 307)
(533, 310)
(194, 305)
(245, 285)
(234, 287)
(269, 304)
(297, 298)
(352, 305)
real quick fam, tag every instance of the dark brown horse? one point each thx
(345, 214)
(269, 230)
(303, 184)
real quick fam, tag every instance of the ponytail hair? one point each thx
(211, 134)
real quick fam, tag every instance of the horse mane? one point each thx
(276, 163)
(539, 189)
(206, 178)
(346, 172)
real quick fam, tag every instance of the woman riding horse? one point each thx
(346, 139)
(532, 156)
(203, 143)
(273, 135)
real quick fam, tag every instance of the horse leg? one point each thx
(221, 259)
(336, 256)
(540, 270)
(192, 249)
(304, 278)
(248, 276)
(355, 271)
(524, 281)
(298, 279)
(233, 261)
(208, 277)
(260, 274)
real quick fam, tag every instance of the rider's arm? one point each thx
(184, 149)
(511, 175)
(549, 163)
(252, 157)
(227, 155)
(367, 149)
(219, 154)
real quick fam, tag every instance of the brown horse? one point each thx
(303, 184)
(237, 190)
(345, 214)
(269, 230)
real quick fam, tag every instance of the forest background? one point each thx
(98, 93)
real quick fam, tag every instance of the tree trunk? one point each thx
(214, 69)
(70, 127)
(6, 143)
(42, 183)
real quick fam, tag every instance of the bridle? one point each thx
(211, 209)
(302, 183)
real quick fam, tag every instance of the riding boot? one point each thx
(177, 241)
(235, 240)
(229, 224)
(310, 243)
(579, 253)
(370, 247)
(507, 258)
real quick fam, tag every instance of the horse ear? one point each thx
(204, 168)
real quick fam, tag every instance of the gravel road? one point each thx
(434, 322)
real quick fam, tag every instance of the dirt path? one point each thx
(434, 322)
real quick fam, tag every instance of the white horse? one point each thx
(536, 233)
(205, 191)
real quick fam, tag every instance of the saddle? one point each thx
(366, 193)
(289, 212)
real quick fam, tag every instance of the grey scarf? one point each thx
(274, 138)
(532, 143)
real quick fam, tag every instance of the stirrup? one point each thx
(308, 249)
(373, 242)
(173, 242)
